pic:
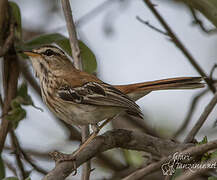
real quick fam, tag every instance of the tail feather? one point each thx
(138, 90)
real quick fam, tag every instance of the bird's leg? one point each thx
(60, 157)
(96, 130)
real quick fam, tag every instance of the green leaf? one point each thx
(23, 97)
(11, 178)
(204, 141)
(89, 63)
(22, 91)
(133, 158)
(17, 18)
(177, 173)
(43, 40)
(212, 178)
(213, 155)
(28, 178)
(16, 115)
(88, 58)
(207, 7)
(2, 168)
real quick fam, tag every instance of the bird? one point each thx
(80, 98)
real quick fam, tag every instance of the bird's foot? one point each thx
(59, 157)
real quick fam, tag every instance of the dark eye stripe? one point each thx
(49, 52)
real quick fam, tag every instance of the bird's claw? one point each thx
(59, 157)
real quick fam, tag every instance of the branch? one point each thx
(77, 62)
(1, 102)
(192, 151)
(189, 175)
(200, 23)
(3, 17)
(16, 151)
(10, 166)
(8, 42)
(87, 166)
(151, 26)
(31, 162)
(10, 87)
(113, 139)
(179, 44)
(194, 103)
(94, 12)
(202, 119)
(72, 33)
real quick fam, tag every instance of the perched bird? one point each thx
(79, 98)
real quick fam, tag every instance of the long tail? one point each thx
(136, 91)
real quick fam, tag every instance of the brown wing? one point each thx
(99, 94)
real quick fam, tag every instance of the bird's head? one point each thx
(47, 59)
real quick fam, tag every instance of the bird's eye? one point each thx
(48, 52)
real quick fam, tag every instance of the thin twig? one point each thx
(94, 12)
(77, 62)
(28, 76)
(8, 42)
(32, 152)
(16, 150)
(151, 26)
(189, 175)
(10, 87)
(31, 162)
(192, 152)
(10, 167)
(1, 102)
(72, 33)
(87, 166)
(202, 119)
(168, 177)
(191, 110)
(179, 44)
(200, 22)
(138, 174)
(212, 71)
(109, 162)
(26, 157)
(3, 18)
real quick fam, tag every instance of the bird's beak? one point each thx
(31, 54)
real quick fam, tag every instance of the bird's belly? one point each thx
(88, 114)
(80, 114)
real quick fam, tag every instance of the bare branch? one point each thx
(179, 44)
(151, 26)
(94, 12)
(189, 175)
(10, 166)
(113, 139)
(3, 17)
(72, 33)
(31, 162)
(200, 23)
(1, 102)
(16, 150)
(87, 166)
(8, 42)
(28, 76)
(10, 87)
(192, 151)
(202, 119)
(212, 71)
(187, 120)
(77, 62)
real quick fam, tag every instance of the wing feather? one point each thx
(100, 94)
